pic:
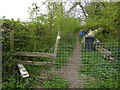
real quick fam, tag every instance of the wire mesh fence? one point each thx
(98, 68)
(75, 65)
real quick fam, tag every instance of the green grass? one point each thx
(56, 82)
(105, 73)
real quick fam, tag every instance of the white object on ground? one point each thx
(23, 71)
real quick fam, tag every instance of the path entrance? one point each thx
(71, 71)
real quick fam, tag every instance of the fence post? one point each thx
(1, 58)
(57, 43)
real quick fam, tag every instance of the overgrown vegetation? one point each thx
(36, 35)
(97, 71)
(104, 74)
(103, 15)
(56, 82)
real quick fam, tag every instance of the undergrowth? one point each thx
(15, 80)
(56, 82)
(105, 73)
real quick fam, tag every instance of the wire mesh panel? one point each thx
(74, 66)
(100, 66)
(78, 67)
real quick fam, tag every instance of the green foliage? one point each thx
(12, 81)
(38, 34)
(105, 16)
(104, 73)
(56, 82)
(1, 22)
(70, 24)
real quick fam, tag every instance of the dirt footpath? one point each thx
(70, 72)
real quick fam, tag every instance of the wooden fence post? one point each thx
(1, 58)
(57, 43)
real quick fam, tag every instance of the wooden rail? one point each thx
(35, 54)
(36, 63)
(38, 54)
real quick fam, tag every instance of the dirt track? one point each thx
(70, 72)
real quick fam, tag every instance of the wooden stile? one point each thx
(33, 54)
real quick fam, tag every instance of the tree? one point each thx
(103, 15)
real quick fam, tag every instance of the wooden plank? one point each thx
(36, 63)
(23, 71)
(35, 54)
(107, 54)
(103, 50)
